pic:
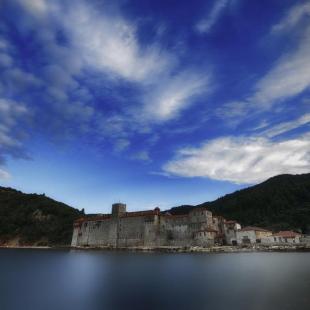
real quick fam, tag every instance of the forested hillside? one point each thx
(282, 202)
(28, 219)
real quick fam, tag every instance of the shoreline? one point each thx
(171, 249)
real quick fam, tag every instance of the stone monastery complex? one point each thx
(155, 228)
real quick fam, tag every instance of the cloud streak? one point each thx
(176, 94)
(12, 114)
(287, 78)
(108, 45)
(205, 25)
(242, 160)
(286, 126)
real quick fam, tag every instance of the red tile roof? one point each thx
(102, 217)
(140, 213)
(230, 222)
(287, 234)
(93, 218)
(248, 228)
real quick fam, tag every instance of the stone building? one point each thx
(283, 237)
(230, 232)
(153, 228)
(252, 235)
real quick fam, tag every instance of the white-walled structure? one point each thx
(252, 235)
(283, 237)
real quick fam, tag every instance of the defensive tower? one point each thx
(118, 209)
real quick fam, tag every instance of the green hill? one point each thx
(282, 202)
(31, 219)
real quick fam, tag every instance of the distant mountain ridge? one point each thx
(281, 202)
(32, 219)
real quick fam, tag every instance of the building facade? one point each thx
(153, 228)
(252, 235)
(284, 237)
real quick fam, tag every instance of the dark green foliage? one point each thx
(282, 202)
(35, 218)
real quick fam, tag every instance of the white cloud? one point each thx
(174, 95)
(142, 155)
(110, 43)
(35, 7)
(242, 160)
(205, 25)
(5, 60)
(102, 44)
(7, 141)
(20, 79)
(289, 77)
(4, 175)
(3, 44)
(121, 145)
(12, 114)
(286, 126)
(293, 17)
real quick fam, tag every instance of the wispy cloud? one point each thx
(121, 145)
(286, 126)
(288, 77)
(142, 156)
(36, 7)
(108, 44)
(12, 114)
(175, 94)
(242, 160)
(4, 175)
(296, 14)
(205, 25)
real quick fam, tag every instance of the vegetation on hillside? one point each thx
(282, 202)
(35, 219)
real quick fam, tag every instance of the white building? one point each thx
(230, 231)
(283, 237)
(252, 235)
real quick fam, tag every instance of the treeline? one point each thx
(35, 219)
(282, 202)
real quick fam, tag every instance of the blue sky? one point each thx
(153, 103)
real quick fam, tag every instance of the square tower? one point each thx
(118, 209)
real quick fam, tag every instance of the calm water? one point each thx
(46, 279)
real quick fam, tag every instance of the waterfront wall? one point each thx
(146, 228)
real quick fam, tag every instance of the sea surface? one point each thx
(95, 280)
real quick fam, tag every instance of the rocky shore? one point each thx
(191, 249)
(215, 249)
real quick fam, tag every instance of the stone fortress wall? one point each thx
(153, 228)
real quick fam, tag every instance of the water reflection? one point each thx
(93, 280)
